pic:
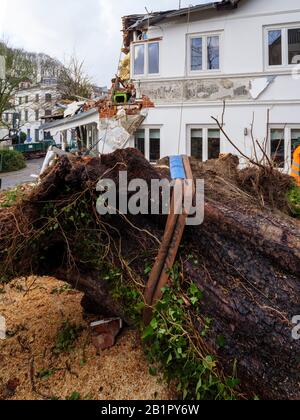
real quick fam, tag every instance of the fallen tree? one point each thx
(235, 289)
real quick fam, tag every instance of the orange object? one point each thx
(296, 166)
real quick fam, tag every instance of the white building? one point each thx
(34, 103)
(190, 61)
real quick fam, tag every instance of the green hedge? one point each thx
(11, 161)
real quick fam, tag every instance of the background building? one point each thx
(190, 61)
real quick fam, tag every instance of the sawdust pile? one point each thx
(30, 369)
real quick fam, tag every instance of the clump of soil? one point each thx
(31, 368)
(265, 186)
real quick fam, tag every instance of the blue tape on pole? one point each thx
(177, 167)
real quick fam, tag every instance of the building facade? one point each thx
(190, 62)
(34, 103)
(35, 100)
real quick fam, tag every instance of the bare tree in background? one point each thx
(18, 68)
(73, 83)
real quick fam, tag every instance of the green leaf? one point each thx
(147, 270)
(232, 383)
(194, 300)
(221, 341)
(170, 358)
(193, 289)
(199, 385)
(154, 324)
(153, 371)
(75, 396)
(148, 332)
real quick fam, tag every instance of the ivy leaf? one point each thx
(232, 383)
(147, 270)
(170, 358)
(199, 385)
(148, 332)
(162, 331)
(193, 289)
(209, 363)
(194, 300)
(154, 324)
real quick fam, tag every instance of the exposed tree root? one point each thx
(245, 259)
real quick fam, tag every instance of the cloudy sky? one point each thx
(88, 28)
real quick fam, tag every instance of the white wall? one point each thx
(243, 61)
(243, 45)
(237, 119)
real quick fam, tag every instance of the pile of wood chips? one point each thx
(35, 310)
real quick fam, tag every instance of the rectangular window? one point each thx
(204, 143)
(278, 147)
(205, 53)
(213, 53)
(153, 58)
(37, 115)
(48, 113)
(37, 97)
(196, 54)
(146, 58)
(214, 144)
(47, 135)
(283, 46)
(26, 116)
(48, 97)
(197, 143)
(275, 48)
(140, 141)
(26, 99)
(139, 59)
(20, 100)
(36, 135)
(28, 134)
(295, 141)
(294, 45)
(154, 143)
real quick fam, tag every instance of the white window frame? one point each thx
(146, 58)
(204, 36)
(205, 128)
(287, 143)
(284, 47)
(147, 139)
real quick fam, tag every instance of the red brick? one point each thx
(104, 333)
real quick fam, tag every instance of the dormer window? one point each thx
(146, 60)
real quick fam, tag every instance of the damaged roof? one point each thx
(135, 22)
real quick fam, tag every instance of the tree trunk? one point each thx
(245, 259)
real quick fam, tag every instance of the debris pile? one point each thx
(237, 275)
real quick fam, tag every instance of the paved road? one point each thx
(13, 179)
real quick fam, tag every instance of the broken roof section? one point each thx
(139, 22)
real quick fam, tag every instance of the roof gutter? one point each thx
(159, 17)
